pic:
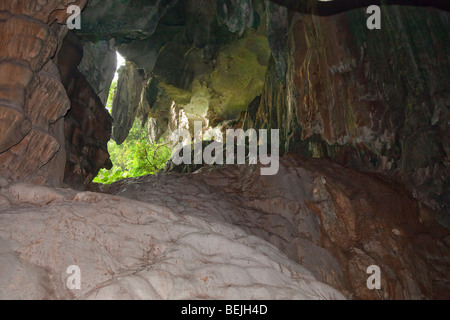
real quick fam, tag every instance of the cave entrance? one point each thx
(198, 63)
(120, 63)
(137, 155)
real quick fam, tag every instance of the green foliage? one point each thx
(112, 90)
(136, 156)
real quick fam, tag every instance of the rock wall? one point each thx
(41, 141)
(87, 125)
(32, 98)
(374, 100)
(99, 65)
(127, 98)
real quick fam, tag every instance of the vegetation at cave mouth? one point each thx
(137, 156)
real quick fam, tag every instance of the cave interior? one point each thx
(359, 99)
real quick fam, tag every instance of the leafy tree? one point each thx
(112, 90)
(136, 156)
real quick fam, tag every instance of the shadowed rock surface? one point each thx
(135, 250)
(375, 100)
(99, 65)
(87, 125)
(332, 220)
(310, 232)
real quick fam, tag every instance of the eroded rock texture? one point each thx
(377, 101)
(87, 126)
(208, 57)
(32, 98)
(39, 83)
(98, 66)
(374, 100)
(334, 221)
(136, 250)
(310, 232)
(126, 100)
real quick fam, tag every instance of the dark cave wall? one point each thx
(87, 125)
(33, 101)
(373, 100)
(53, 127)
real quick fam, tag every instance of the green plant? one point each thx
(112, 90)
(136, 156)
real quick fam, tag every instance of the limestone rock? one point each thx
(33, 194)
(33, 100)
(237, 15)
(47, 87)
(4, 202)
(17, 77)
(46, 11)
(334, 221)
(24, 39)
(148, 252)
(126, 100)
(156, 128)
(3, 182)
(277, 33)
(117, 17)
(208, 58)
(99, 66)
(35, 153)
(14, 125)
(31, 280)
(373, 100)
(23, 161)
(88, 127)
(69, 57)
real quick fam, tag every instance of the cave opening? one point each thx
(121, 62)
(136, 156)
(171, 79)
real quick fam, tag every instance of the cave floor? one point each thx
(309, 232)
